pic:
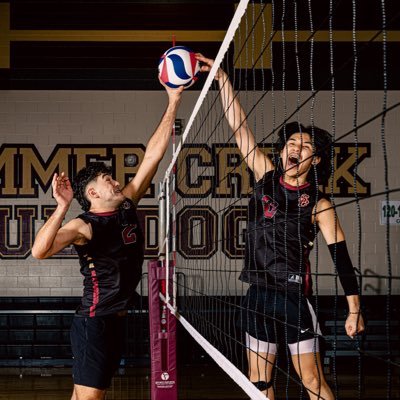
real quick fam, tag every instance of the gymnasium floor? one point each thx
(55, 384)
(195, 383)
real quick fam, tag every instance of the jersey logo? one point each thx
(128, 234)
(126, 205)
(295, 278)
(304, 200)
(270, 206)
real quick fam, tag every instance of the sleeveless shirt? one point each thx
(280, 234)
(111, 262)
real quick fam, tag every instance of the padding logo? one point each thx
(165, 376)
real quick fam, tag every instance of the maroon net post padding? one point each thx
(162, 337)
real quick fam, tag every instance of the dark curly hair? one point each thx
(322, 142)
(83, 177)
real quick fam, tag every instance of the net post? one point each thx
(162, 323)
(161, 221)
(163, 385)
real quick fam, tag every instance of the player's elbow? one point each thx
(38, 254)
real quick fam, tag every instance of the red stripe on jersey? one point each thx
(105, 214)
(290, 187)
(307, 280)
(95, 299)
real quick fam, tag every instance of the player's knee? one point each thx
(313, 382)
(88, 394)
(91, 397)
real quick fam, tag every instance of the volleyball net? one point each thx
(291, 61)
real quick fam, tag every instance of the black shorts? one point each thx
(276, 316)
(97, 345)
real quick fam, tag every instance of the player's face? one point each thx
(297, 155)
(107, 189)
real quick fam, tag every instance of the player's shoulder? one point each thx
(268, 177)
(78, 225)
(81, 228)
(75, 222)
(324, 209)
(323, 204)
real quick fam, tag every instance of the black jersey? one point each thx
(280, 234)
(111, 262)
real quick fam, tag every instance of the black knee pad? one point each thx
(262, 385)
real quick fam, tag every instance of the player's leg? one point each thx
(97, 348)
(87, 393)
(304, 347)
(308, 366)
(259, 325)
(261, 360)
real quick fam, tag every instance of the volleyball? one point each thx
(178, 67)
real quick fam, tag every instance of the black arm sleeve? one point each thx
(344, 267)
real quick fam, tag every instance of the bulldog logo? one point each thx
(270, 206)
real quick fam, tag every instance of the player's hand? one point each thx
(62, 190)
(207, 64)
(354, 324)
(173, 94)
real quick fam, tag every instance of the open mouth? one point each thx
(293, 160)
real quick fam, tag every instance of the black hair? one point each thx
(322, 142)
(83, 177)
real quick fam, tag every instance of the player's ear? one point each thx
(316, 160)
(91, 192)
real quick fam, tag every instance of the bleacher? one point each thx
(379, 343)
(34, 331)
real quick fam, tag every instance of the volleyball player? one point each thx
(109, 242)
(284, 215)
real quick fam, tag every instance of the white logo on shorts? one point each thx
(295, 278)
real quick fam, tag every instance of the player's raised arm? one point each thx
(256, 160)
(156, 148)
(52, 238)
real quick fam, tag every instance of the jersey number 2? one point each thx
(128, 234)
